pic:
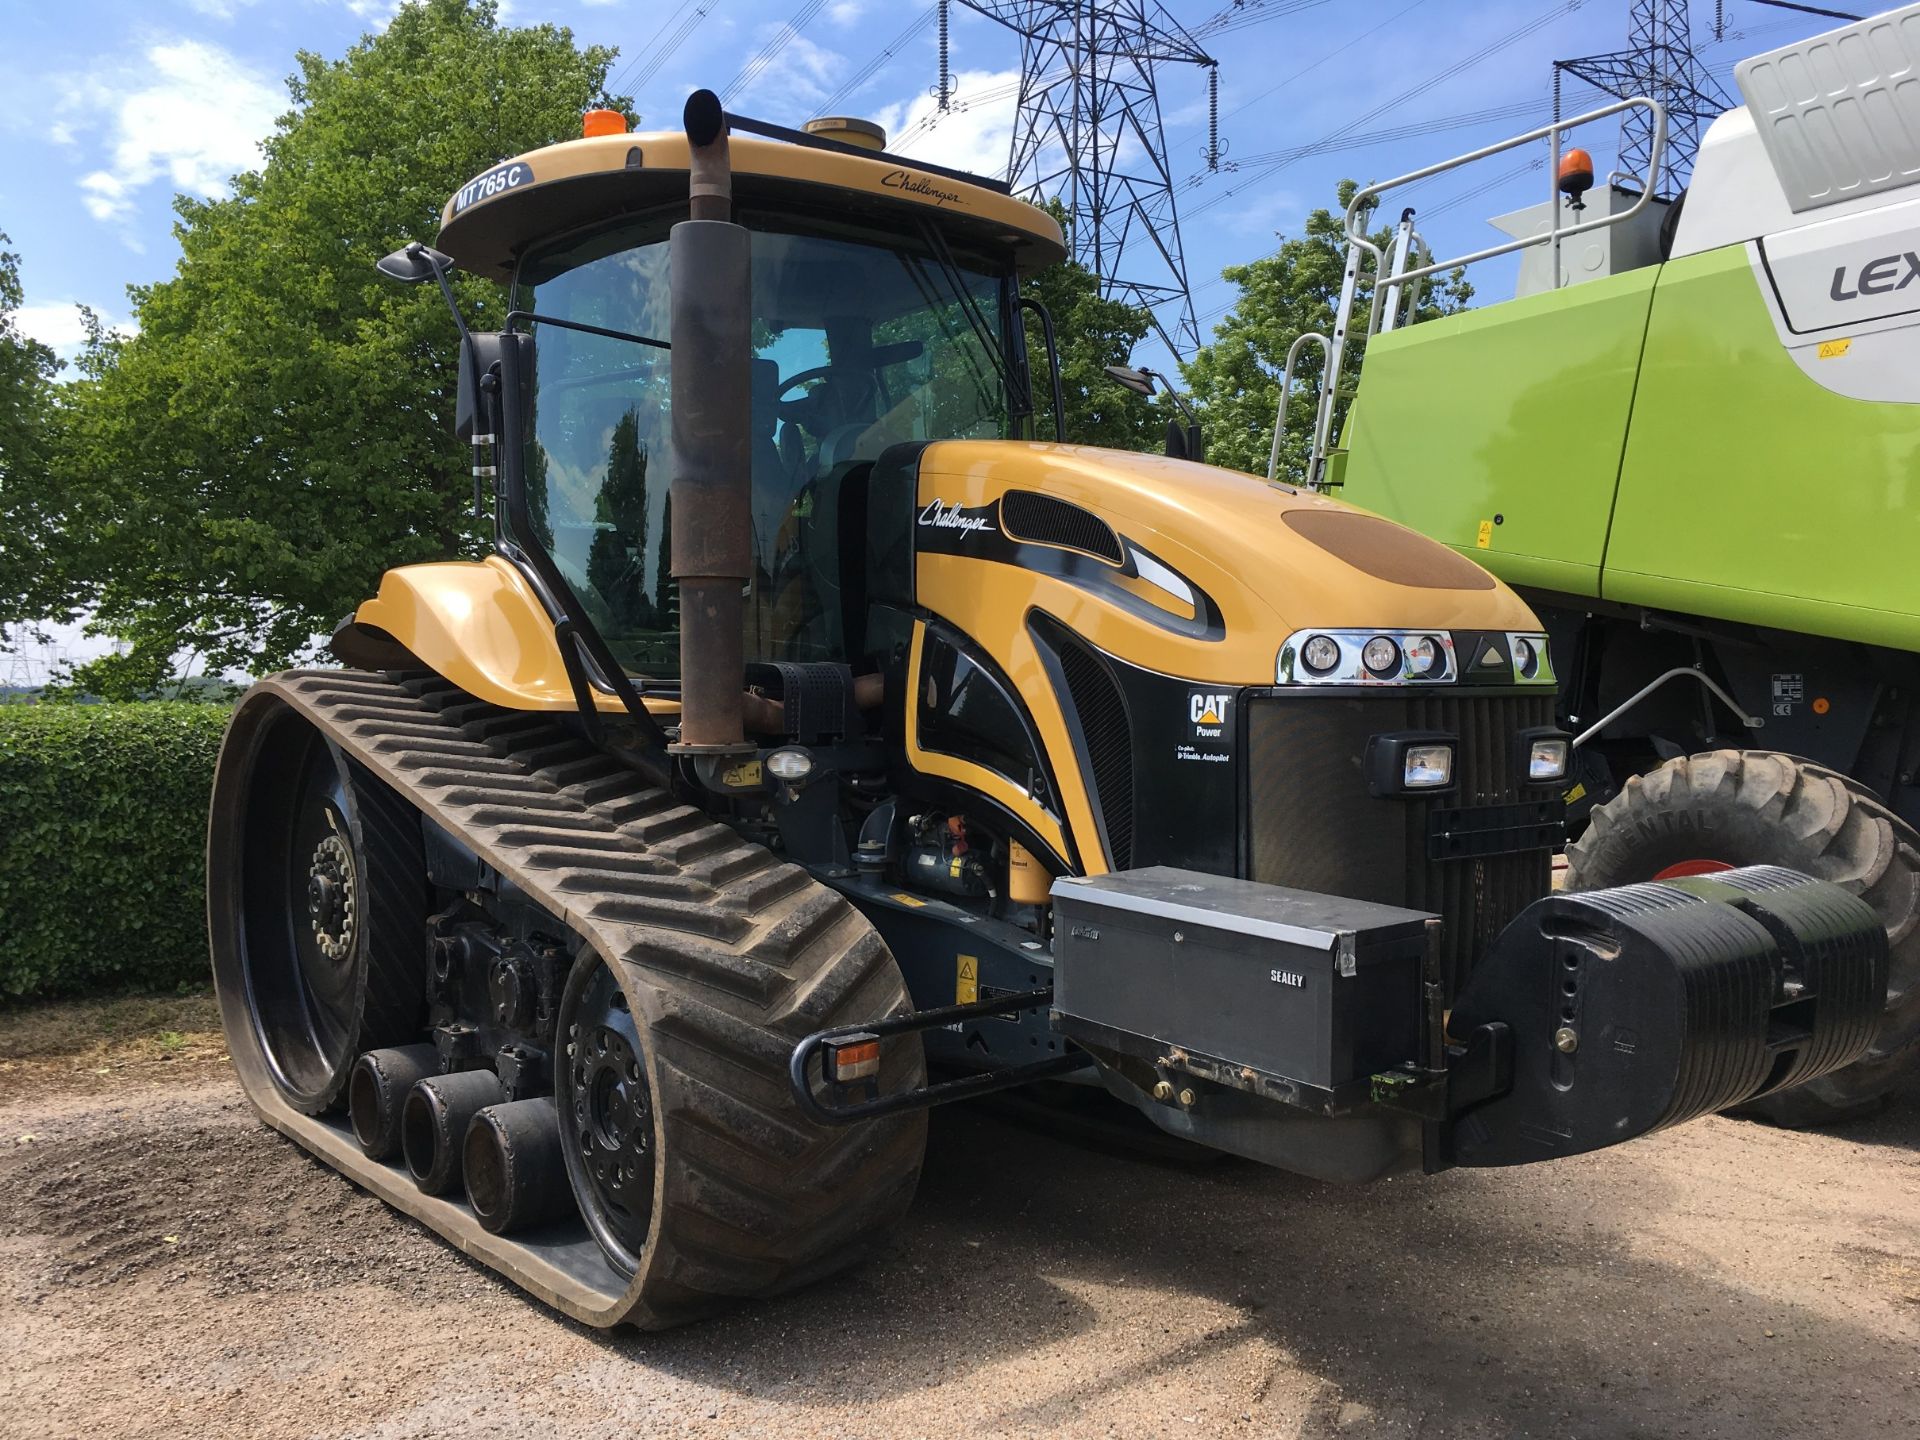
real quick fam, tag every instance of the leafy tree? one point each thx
(1093, 332)
(237, 475)
(1234, 381)
(616, 561)
(27, 368)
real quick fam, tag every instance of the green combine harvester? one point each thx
(1691, 442)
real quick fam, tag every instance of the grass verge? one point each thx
(90, 1043)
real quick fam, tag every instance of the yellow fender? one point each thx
(477, 623)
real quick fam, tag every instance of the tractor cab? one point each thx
(884, 309)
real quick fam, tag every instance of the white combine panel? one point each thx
(1839, 113)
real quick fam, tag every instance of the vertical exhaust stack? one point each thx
(712, 343)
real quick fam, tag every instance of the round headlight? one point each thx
(1424, 657)
(1526, 656)
(1381, 655)
(1320, 654)
(793, 764)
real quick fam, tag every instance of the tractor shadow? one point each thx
(1473, 1303)
(1897, 1126)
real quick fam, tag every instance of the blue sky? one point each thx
(108, 107)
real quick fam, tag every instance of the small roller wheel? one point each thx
(1726, 808)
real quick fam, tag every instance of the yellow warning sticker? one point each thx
(741, 776)
(1834, 349)
(1575, 793)
(913, 900)
(966, 984)
(1485, 538)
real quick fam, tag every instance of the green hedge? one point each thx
(103, 825)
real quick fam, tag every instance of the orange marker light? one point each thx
(855, 1058)
(1822, 705)
(602, 122)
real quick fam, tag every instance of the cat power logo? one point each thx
(1209, 715)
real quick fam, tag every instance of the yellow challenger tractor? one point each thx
(817, 746)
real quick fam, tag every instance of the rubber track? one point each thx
(1837, 831)
(727, 953)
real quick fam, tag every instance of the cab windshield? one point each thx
(858, 344)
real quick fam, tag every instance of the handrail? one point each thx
(1363, 199)
(1407, 244)
(1286, 393)
(1404, 284)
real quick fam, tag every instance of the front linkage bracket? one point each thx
(848, 1101)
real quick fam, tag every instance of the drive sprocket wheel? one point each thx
(315, 872)
(688, 1159)
(1726, 808)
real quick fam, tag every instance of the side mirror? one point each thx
(413, 263)
(1139, 382)
(1177, 441)
(476, 400)
(1185, 442)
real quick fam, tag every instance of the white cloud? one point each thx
(219, 9)
(58, 327)
(975, 134)
(798, 77)
(845, 12)
(198, 117)
(377, 12)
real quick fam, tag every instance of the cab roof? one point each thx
(545, 193)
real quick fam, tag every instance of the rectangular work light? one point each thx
(1410, 764)
(1545, 754)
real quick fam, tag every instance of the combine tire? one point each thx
(1726, 808)
(700, 959)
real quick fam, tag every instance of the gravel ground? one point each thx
(170, 1267)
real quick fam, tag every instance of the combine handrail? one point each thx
(1286, 393)
(1555, 233)
(1405, 283)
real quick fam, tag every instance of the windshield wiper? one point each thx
(1017, 392)
(538, 319)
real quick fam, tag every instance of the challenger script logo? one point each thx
(1877, 277)
(920, 185)
(941, 516)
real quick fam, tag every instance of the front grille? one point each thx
(1102, 716)
(1029, 515)
(1312, 824)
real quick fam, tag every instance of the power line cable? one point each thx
(673, 43)
(771, 51)
(867, 71)
(1308, 69)
(642, 53)
(1413, 130)
(1440, 77)
(1513, 111)
(1250, 12)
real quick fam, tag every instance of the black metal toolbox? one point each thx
(1314, 989)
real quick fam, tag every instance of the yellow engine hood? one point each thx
(1272, 559)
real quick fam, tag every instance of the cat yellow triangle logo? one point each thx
(1491, 657)
(1209, 718)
